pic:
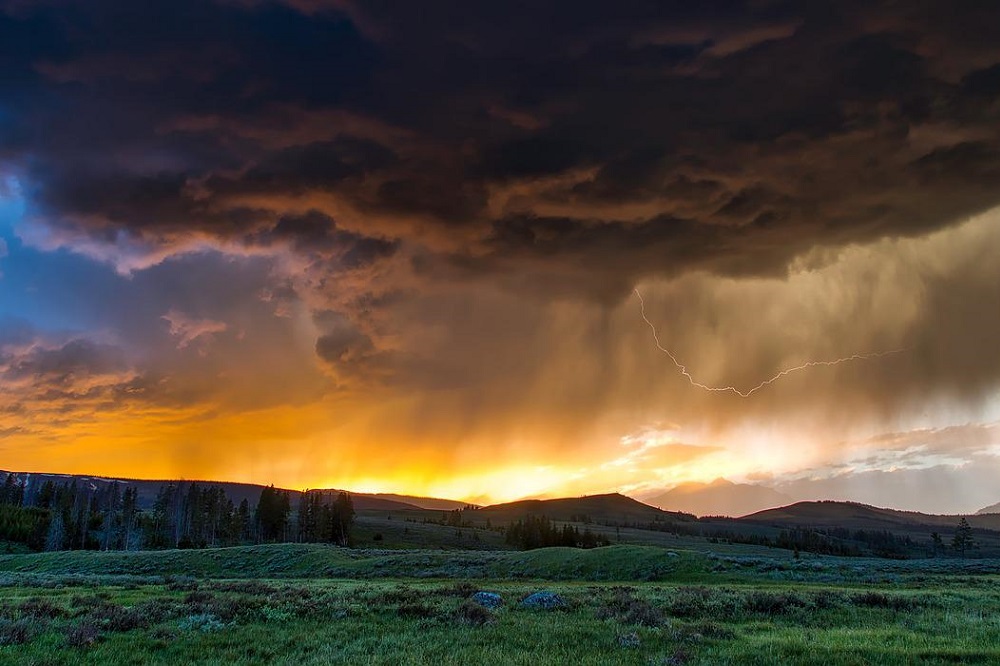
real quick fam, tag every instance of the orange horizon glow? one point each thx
(539, 445)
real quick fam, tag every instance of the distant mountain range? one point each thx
(862, 516)
(755, 505)
(718, 498)
(237, 492)
(992, 508)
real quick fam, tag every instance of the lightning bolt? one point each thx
(749, 392)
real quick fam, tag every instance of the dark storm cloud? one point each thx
(560, 149)
(318, 233)
(647, 96)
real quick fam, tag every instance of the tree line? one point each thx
(539, 532)
(76, 516)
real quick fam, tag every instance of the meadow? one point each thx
(313, 604)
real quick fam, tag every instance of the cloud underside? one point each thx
(438, 216)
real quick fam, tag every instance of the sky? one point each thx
(392, 246)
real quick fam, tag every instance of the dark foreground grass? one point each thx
(300, 604)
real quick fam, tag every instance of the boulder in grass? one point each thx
(489, 600)
(543, 600)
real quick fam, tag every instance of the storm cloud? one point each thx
(439, 211)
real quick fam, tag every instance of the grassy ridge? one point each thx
(614, 563)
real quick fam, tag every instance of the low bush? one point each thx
(157, 610)
(203, 622)
(702, 602)
(473, 614)
(180, 583)
(196, 597)
(774, 603)
(415, 610)
(461, 589)
(882, 600)
(251, 587)
(18, 632)
(826, 599)
(713, 630)
(119, 618)
(42, 608)
(83, 634)
(678, 658)
(626, 608)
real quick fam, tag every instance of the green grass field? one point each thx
(306, 604)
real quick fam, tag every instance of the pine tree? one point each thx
(10, 491)
(46, 495)
(56, 536)
(962, 541)
(273, 509)
(344, 511)
(936, 543)
(130, 518)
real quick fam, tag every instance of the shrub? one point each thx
(251, 587)
(461, 589)
(229, 608)
(325, 606)
(204, 622)
(42, 608)
(180, 583)
(398, 595)
(90, 600)
(690, 602)
(712, 630)
(272, 614)
(827, 599)
(882, 600)
(773, 603)
(119, 618)
(473, 614)
(83, 634)
(678, 658)
(625, 608)
(163, 633)
(687, 634)
(17, 632)
(157, 610)
(415, 610)
(198, 597)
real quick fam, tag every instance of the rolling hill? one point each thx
(433, 503)
(718, 498)
(853, 515)
(237, 492)
(612, 508)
